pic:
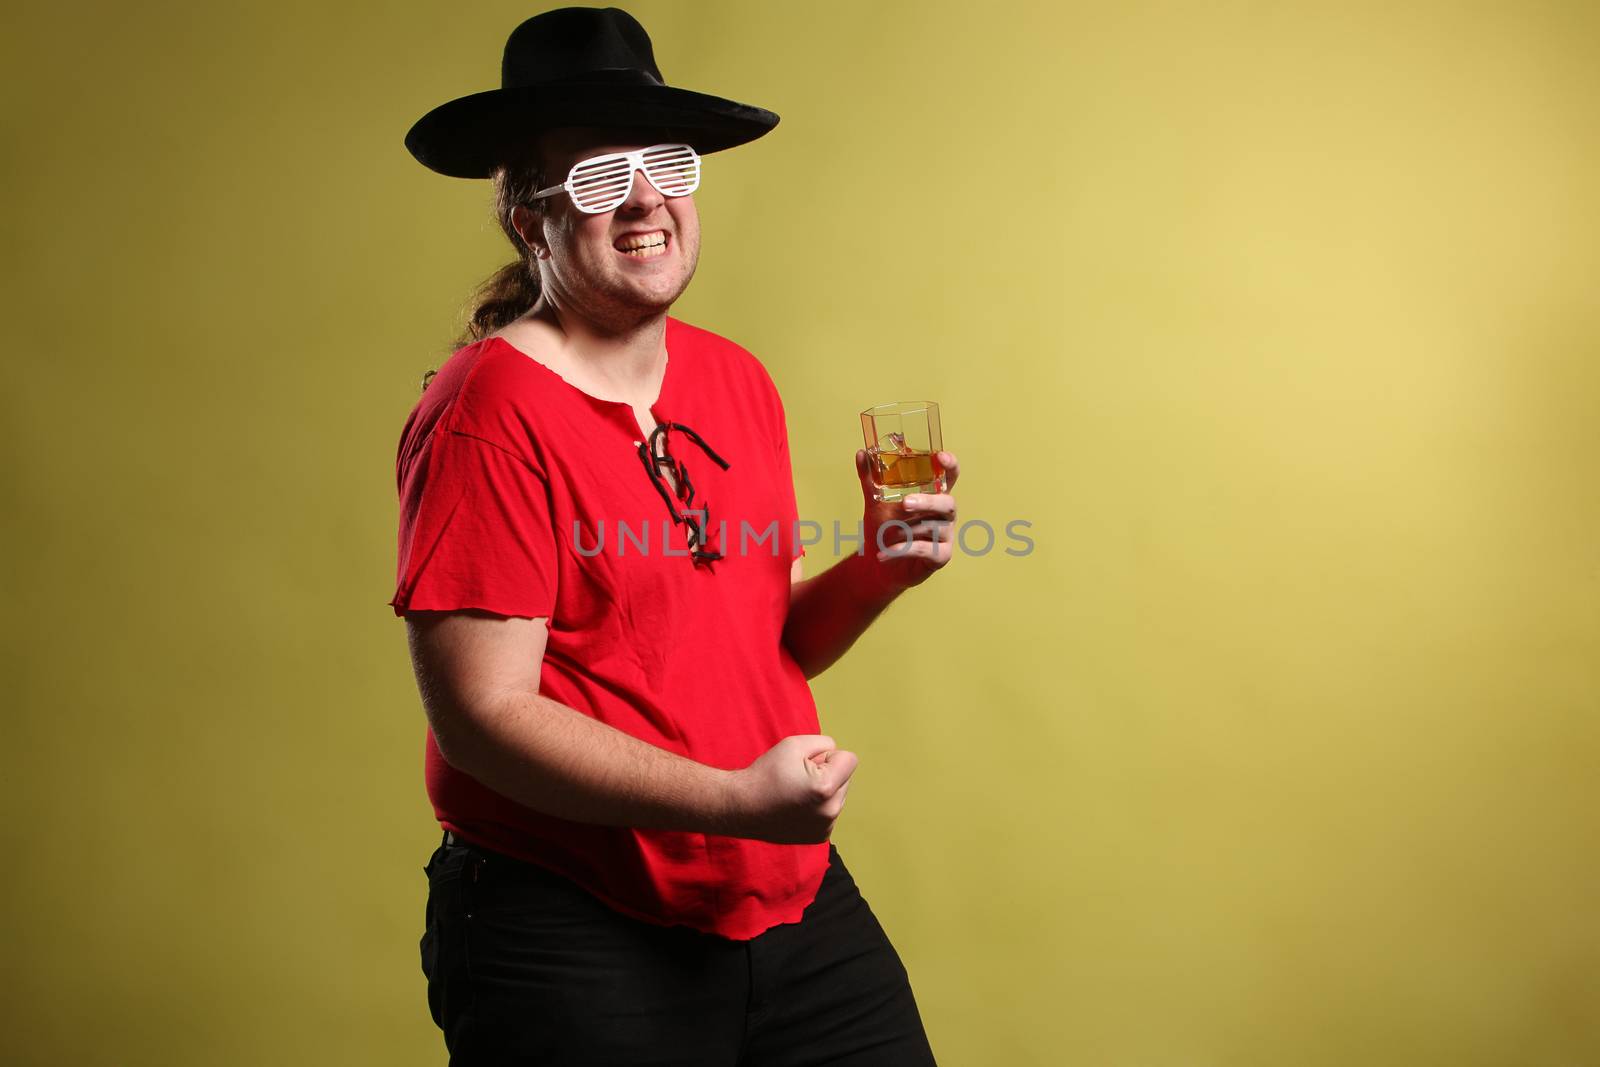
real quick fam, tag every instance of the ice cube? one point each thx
(893, 442)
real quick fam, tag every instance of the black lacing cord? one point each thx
(698, 549)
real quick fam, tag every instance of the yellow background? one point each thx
(1276, 321)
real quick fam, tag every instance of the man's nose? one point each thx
(644, 197)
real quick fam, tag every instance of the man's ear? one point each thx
(526, 221)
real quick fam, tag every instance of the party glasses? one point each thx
(601, 183)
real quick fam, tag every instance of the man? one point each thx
(622, 747)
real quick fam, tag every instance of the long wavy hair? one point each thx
(509, 292)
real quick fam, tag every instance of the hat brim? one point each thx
(472, 135)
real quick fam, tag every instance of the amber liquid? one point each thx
(899, 474)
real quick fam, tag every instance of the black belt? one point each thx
(455, 840)
(509, 866)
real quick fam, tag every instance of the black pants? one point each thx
(526, 967)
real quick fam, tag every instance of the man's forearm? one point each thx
(559, 761)
(828, 611)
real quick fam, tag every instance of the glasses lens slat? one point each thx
(608, 183)
(601, 176)
(602, 163)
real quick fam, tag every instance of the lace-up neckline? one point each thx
(667, 472)
(655, 459)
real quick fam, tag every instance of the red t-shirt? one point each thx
(513, 483)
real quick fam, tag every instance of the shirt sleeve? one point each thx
(476, 531)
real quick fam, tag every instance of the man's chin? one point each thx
(653, 299)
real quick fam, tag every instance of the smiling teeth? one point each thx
(643, 246)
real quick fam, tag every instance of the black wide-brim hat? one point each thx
(576, 66)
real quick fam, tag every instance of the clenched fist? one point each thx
(793, 792)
